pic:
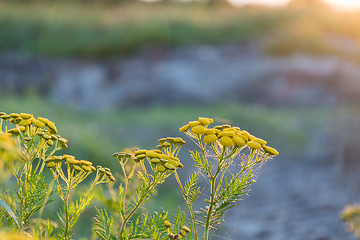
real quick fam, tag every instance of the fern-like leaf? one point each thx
(102, 224)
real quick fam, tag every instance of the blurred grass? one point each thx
(68, 28)
(60, 28)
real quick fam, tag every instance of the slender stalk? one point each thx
(187, 203)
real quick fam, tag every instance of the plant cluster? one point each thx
(28, 146)
(225, 162)
(351, 215)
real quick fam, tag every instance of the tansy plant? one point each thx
(351, 215)
(28, 147)
(221, 147)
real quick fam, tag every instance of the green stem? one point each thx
(188, 204)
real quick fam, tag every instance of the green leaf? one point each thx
(9, 211)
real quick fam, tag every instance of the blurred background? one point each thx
(120, 73)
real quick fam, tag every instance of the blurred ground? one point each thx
(124, 76)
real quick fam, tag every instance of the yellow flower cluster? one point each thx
(28, 127)
(161, 160)
(184, 230)
(77, 165)
(225, 135)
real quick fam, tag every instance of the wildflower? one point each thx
(198, 130)
(14, 115)
(167, 224)
(86, 163)
(49, 142)
(169, 166)
(226, 134)
(270, 150)
(179, 140)
(25, 122)
(226, 141)
(77, 167)
(205, 121)
(162, 140)
(38, 123)
(52, 127)
(155, 160)
(26, 115)
(194, 123)
(14, 131)
(51, 164)
(210, 138)
(86, 168)
(46, 136)
(72, 161)
(5, 117)
(184, 128)
(111, 178)
(238, 140)
(253, 145)
(166, 145)
(161, 168)
(44, 120)
(186, 229)
(260, 141)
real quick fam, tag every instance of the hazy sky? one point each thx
(348, 4)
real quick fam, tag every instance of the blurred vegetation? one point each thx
(112, 28)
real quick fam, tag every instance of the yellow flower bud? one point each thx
(52, 127)
(164, 156)
(72, 161)
(101, 169)
(162, 140)
(67, 156)
(166, 145)
(86, 168)
(26, 115)
(137, 152)
(198, 130)
(186, 229)
(270, 150)
(260, 141)
(25, 122)
(54, 137)
(38, 123)
(155, 160)
(167, 224)
(248, 135)
(205, 121)
(14, 131)
(226, 141)
(2, 113)
(174, 163)
(51, 164)
(170, 166)
(152, 154)
(64, 146)
(161, 168)
(62, 140)
(209, 131)
(179, 140)
(210, 138)
(86, 163)
(140, 156)
(46, 136)
(49, 142)
(226, 134)
(77, 167)
(112, 178)
(93, 168)
(14, 115)
(194, 123)
(184, 128)
(170, 139)
(5, 117)
(253, 145)
(238, 140)
(44, 120)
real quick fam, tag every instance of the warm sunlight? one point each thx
(344, 4)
